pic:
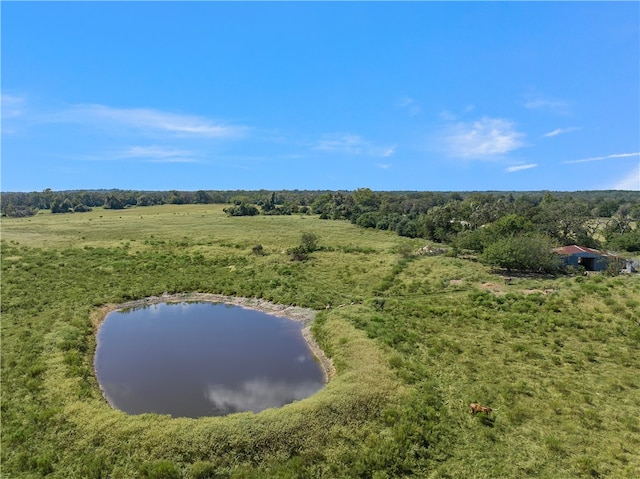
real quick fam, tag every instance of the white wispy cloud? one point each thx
(631, 181)
(149, 120)
(158, 154)
(173, 160)
(389, 151)
(446, 115)
(153, 152)
(144, 154)
(602, 158)
(12, 108)
(560, 131)
(11, 105)
(353, 145)
(482, 139)
(344, 143)
(409, 104)
(450, 116)
(551, 105)
(513, 169)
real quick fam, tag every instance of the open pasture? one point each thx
(414, 340)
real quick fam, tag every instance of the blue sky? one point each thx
(390, 96)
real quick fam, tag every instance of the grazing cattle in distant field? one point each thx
(476, 408)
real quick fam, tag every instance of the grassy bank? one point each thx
(414, 340)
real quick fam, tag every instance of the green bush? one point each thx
(626, 242)
(205, 470)
(161, 469)
(258, 250)
(309, 242)
(522, 253)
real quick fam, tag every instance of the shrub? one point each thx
(299, 253)
(522, 253)
(81, 209)
(161, 469)
(368, 220)
(242, 209)
(309, 242)
(627, 242)
(205, 470)
(61, 206)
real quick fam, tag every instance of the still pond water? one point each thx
(202, 359)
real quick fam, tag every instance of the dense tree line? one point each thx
(480, 222)
(473, 221)
(17, 204)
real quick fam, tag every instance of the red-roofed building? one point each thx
(590, 259)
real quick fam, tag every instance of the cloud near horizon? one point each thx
(631, 181)
(513, 169)
(482, 139)
(158, 154)
(149, 120)
(602, 158)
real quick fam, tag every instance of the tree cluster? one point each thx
(473, 221)
(18, 204)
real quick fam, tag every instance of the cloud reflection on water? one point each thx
(258, 394)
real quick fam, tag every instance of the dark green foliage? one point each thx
(97, 468)
(159, 470)
(206, 470)
(629, 241)
(407, 227)
(510, 225)
(81, 209)
(522, 253)
(113, 202)
(368, 220)
(309, 242)
(473, 240)
(61, 205)
(242, 209)
(298, 253)
(18, 211)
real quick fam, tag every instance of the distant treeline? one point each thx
(468, 220)
(19, 204)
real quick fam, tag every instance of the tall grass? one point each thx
(414, 340)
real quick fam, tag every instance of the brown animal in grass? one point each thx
(476, 408)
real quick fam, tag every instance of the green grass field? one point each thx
(414, 339)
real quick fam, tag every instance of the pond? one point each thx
(203, 359)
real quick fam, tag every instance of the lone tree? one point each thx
(308, 244)
(309, 241)
(522, 253)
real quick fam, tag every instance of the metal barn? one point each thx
(590, 259)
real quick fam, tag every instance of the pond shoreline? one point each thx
(294, 313)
